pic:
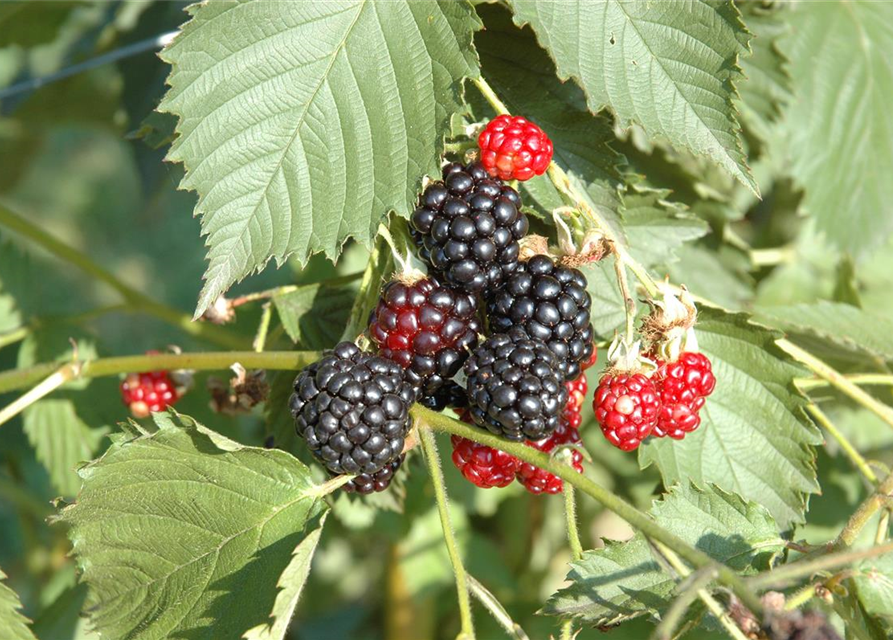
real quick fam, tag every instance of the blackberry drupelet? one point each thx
(426, 328)
(449, 395)
(352, 408)
(515, 388)
(366, 483)
(552, 305)
(467, 226)
(682, 387)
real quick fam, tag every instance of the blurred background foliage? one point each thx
(83, 158)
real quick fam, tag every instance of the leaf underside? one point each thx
(305, 129)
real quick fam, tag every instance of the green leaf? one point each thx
(307, 130)
(291, 583)
(183, 533)
(314, 315)
(842, 324)
(656, 227)
(668, 66)
(839, 124)
(753, 439)
(608, 311)
(525, 78)
(13, 623)
(766, 86)
(624, 580)
(705, 273)
(874, 586)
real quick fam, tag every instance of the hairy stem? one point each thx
(618, 505)
(570, 513)
(784, 575)
(65, 373)
(136, 299)
(263, 328)
(211, 360)
(628, 303)
(837, 380)
(845, 444)
(864, 513)
(496, 609)
(429, 447)
(673, 616)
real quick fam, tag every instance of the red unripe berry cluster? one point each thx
(145, 393)
(513, 148)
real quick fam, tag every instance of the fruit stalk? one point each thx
(618, 505)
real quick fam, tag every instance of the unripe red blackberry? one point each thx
(515, 388)
(427, 329)
(682, 387)
(484, 466)
(513, 148)
(145, 393)
(352, 409)
(537, 480)
(576, 396)
(551, 304)
(626, 406)
(467, 226)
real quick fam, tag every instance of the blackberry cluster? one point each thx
(366, 483)
(514, 386)
(551, 304)
(352, 409)
(467, 227)
(427, 329)
(449, 395)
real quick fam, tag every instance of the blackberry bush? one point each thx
(467, 226)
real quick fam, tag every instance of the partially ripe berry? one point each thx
(145, 393)
(537, 480)
(576, 396)
(426, 328)
(626, 406)
(682, 387)
(513, 148)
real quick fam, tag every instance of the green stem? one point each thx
(570, 513)
(65, 373)
(673, 616)
(11, 337)
(618, 505)
(861, 379)
(263, 328)
(429, 447)
(865, 512)
(845, 444)
(134, 298)
(274, 360)
(291, 288)
(830, 374)
(496, 609)
(628, 303)
(783, 575)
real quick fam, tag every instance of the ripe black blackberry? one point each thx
(426, 328)
(352, 408)
(366, 483)
(515, 388)
(551, 304)
(467, 227)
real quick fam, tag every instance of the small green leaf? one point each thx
(754, 438)
(291, 583)
(183, 533)
(669, 66)
(13, 623)
(839, 124)
(842, 324)
(314, 315)
(874, 586)
(307, 130)
(624, 580)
